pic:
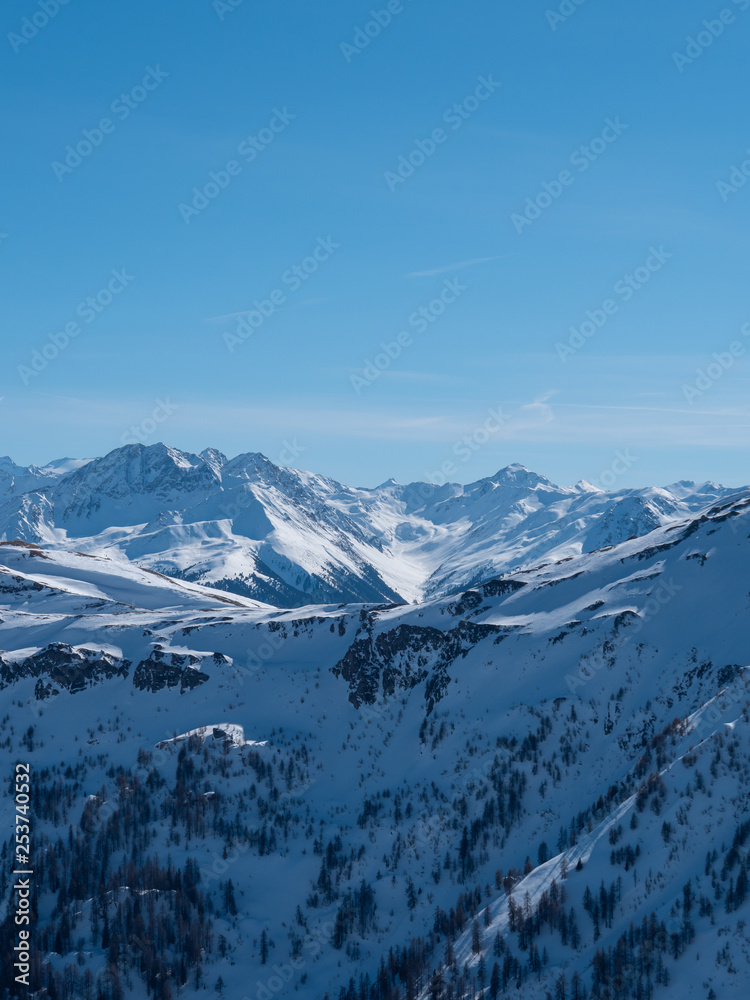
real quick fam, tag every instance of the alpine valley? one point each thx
(289, 738)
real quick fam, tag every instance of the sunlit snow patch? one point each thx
(219, 733)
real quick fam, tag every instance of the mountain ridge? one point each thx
(402, 796)
(290, 537)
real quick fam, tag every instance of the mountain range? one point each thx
(292, 538)
(535, 783)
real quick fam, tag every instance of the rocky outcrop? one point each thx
(167, 670)
(405, 656)
(60, 667)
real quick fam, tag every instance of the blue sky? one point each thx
(489, 105)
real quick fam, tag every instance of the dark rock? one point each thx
(154, 674)
(405, 656)
(61, 667)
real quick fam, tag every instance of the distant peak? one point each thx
(214, 459)
(586, 487)
(251, 458)
(156, 450)
(518, 475)
(182, 459)
(252, 465)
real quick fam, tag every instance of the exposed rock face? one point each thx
(161, 670)
(469, 601)
(60, 666)
(500, 587)
(405, 656)
(17, 587)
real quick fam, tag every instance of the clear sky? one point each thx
(409, 150)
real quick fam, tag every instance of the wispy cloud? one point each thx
(539, 408)
(228, 316)
(717, 412)
(287, 305)
(201, 421)
(458, 266)
(416, 376)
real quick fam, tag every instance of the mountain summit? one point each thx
(292, 538)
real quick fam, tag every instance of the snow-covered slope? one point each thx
(66, 581)
(548, 771)
(15, 479)
(290, 538)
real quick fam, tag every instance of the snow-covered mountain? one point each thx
(291, 538)
(16, 479)
(537, 786)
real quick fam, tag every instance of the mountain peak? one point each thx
(520, 476)
(150, 455)
(291, 537)
(214, 459)
(251, 462)
(586, 487)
